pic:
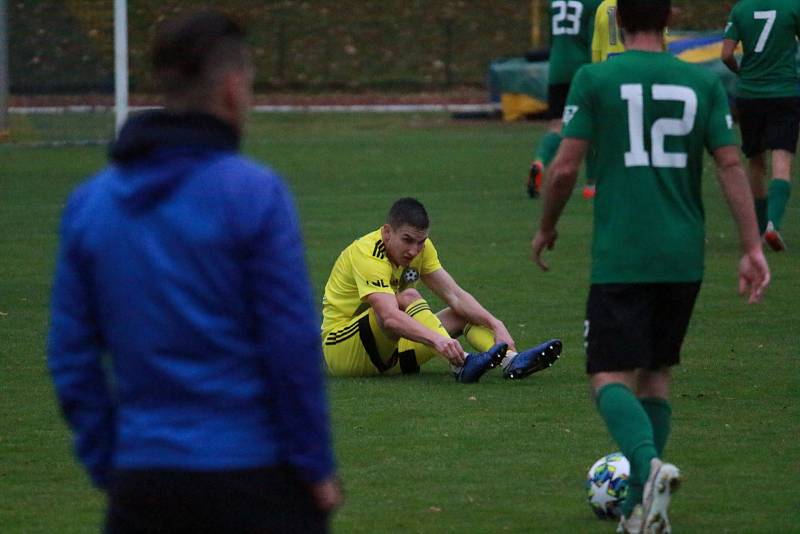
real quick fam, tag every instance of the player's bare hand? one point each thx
(502, 335)
(754, 275)
(327, 494)
(543, 239)
(451, 349)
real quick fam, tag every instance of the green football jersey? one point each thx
(649, 116)
(571, 26)
(768, 30)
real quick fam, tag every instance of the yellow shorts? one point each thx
(361, 348)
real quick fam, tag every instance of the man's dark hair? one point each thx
(408, 211)
(637, 16)
(191, 48)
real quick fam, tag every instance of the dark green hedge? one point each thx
(66, 46)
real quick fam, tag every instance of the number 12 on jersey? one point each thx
(637, 156)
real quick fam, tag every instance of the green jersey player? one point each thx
(650, 117)
(767, 100)
(572, 22)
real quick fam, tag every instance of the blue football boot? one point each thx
(532, 360)
(477, 363)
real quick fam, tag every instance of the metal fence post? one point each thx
(536, 23)
(5, 75)
(448, 25)
(120, 62)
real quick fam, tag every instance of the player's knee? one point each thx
(654, 383)
(406, 297)
(758, 161)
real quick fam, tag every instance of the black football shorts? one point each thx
(556, 100)
(637, 326)
(768, 124)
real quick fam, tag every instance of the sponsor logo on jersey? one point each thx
(377, 283)
(569, 113)
(410, 275)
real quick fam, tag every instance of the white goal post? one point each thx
(5, 77)
(120, 62)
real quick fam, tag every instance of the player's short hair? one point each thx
(408, 211)
(191, 49)
(643, 15)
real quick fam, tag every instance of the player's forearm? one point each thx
(736, 189)
(730, 62)
(468, 307)
(558, 189)
(484, 318)
(401, 325)
(461, 301)
(727, 55)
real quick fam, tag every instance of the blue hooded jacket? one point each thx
(184, 333)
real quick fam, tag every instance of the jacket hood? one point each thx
(156, 150)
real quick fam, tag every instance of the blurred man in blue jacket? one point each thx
(182, 262)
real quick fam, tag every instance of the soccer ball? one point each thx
(607, 485)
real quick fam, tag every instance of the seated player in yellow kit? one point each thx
(376, 322)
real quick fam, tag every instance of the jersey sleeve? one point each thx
(577, 112)
(719, 131)
(286, 330)
(731, 28)
(371, 275)
(75, 355)
(430, 259)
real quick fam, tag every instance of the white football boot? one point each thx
(632, 524)
(663, 481)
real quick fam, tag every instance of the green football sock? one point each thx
(630, 427)
(761, 214)
(660, 413)
(778, 196)
(591, 167)
(548, 147)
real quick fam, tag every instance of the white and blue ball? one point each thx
(607, 485)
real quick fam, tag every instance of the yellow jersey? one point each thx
(363, 268)
(606, 40)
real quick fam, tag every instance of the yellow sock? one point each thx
(421, 312)
(480, 337)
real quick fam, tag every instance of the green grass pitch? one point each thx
(422, 453)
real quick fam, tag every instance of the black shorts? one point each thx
(253, 501)
(637, 326)
(556, 100)
(768, 124)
